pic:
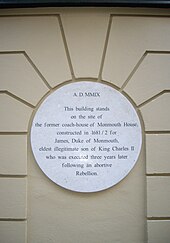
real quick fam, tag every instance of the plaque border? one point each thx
(95, 81)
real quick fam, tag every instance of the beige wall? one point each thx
(40, 49)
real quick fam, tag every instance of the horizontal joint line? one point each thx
(30, 15)
(14, 220)
(157, 132)
(158, 174)
(12, 176)
(13, 133)
(12, 52)
(17, 98)
(140, 15)
(158, 218)
(153, 98)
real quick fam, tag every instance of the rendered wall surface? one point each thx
(42, 48)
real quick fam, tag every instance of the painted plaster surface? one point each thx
(43, 48)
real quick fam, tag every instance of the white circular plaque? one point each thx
(86, 136)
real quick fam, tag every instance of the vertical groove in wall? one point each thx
(153, 98)
(105, 49)
(145, 180)
(152, 219)
(66, 47)
(146, 53)
(37, 70)
(17, 98)
(133, 72)
(30, 62)
(28, 161)
(146, 196)
(26, 228)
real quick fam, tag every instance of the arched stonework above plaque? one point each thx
(86, 136)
